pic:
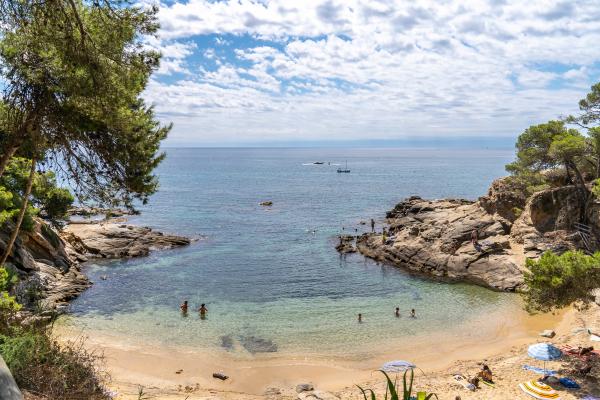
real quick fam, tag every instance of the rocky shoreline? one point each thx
(49, 262)
(435, 237)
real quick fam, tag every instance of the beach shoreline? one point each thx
(154, 367)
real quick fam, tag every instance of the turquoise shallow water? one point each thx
(271, 277)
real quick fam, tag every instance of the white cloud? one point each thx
(354, 69)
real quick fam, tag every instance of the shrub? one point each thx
(44, 367)
(391, 391)
(557, 281)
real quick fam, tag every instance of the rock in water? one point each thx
(227, 342)
(111, 240)
(266, 203)
(346, 244)
(435, 237)
(255, 345)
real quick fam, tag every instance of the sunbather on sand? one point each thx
(486, 374)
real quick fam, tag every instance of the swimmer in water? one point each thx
(184, 307)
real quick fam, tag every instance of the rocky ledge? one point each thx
(116, 240)
(48, 263)
(434, 237)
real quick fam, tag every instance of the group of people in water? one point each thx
(413, 314)
(202, 310)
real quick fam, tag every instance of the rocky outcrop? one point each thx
(346, 244)
(435, 237)
(45, 268)
(114, 240)
(48, 262)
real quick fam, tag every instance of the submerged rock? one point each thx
(227, 342)
(255, 345)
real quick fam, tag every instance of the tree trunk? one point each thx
(582, 191)
(569, 178)
(15, 232)
(6, 156)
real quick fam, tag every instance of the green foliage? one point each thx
(8, 279)
(40, 365)
(391, 392)
(52, 201)
(557, 281)
(8, 304)
(590, 109)
(75, 99)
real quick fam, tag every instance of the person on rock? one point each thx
(372, 225)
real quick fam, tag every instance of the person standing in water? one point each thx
(397, 312)
(203, 310)
(413, 314)
(359, 318)
(184, 307)
(372, 225)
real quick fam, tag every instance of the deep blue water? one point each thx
(273, 273)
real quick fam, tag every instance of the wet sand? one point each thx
(154, 367)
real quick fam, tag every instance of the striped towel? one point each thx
(537, 370)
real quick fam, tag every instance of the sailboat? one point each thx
(345, 170)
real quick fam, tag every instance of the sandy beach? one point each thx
(166, 372)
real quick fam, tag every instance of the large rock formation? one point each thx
(434, 237)
(48, 263)
(115, 240)
(45, 268)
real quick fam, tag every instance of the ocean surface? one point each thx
(270, 276)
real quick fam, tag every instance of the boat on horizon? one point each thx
(344, 170)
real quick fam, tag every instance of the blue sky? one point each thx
(242, 72)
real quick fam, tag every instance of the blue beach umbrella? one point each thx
(544, 352)
(398, 366)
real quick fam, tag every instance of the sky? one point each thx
(306, 71)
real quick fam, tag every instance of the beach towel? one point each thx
(569, 383)
(538, 370)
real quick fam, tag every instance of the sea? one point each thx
(270, 277)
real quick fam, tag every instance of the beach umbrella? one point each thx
(544, 352)
(398, 366)
(539, 390)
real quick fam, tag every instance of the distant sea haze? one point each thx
(426, 142)
(270, 276)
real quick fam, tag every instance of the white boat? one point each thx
(344, 170)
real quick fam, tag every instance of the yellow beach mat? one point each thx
(539, 390)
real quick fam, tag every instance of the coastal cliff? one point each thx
(434, 237)
(48, 262)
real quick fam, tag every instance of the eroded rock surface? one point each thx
(114, 240)
(48, 263)
(434, 237)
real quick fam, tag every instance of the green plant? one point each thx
(391, 391)
(8, 278)
(557, 281)
(58, 371)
